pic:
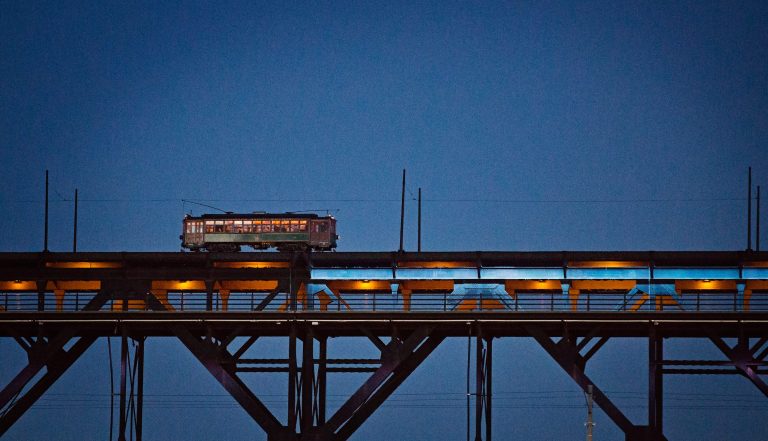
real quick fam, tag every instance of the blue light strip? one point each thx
(608, 273)
(550, 273)
(696, 273)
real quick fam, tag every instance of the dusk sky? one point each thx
(528, 125)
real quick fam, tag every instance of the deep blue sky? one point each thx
(529, 125)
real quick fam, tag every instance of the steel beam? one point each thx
(140, 393)
(743, 360)
(565, 353)
(209, 356)
(123, 420)
(483, 386)
(655, 384)
(322, 387)
(57, 362)
(397, 364)
(307, 381)
(400, 373)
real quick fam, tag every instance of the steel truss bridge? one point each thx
(56, 305)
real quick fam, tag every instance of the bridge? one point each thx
(56, 305)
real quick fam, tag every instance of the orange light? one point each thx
(251, 264)
(607, 264)
(18, 285)
(84, 265)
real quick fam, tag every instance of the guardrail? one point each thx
(418, 302)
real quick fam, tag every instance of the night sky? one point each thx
(528, 126)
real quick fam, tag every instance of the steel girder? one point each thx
(46, 353)
(567, 353)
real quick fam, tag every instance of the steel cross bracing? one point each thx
(55, 306)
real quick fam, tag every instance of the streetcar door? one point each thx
(320, 233)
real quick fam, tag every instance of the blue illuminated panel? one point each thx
(521, 273)
(351, 274)
(552, 273)
(436, 273)
(696, 273)
(608, 273)
(755, 273)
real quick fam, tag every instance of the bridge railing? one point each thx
(385, 302)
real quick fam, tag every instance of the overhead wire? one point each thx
(567, 400)
(413, 198)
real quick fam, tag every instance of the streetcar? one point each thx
(228, 232)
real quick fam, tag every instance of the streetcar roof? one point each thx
(258, 216)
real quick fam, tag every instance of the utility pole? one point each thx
(74, 235)
(419, 240)
(749, 210)
(589, 422)
(402, 213)
(45, 236)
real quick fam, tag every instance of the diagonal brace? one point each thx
(399, 375)
(57, 364)
(389, 365)
(566, 355)
(743, 361)
(208, 355)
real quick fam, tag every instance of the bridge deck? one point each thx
(572, 282)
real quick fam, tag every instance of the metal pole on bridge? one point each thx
(45, 237)
(419, 241)
(74, 235)
(749, 210)
(402, 213)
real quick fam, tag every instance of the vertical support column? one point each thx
(291, 423)
(140, 386)
(123, 384)
(479, 379)
(655, 384)
(41, 285)
(488, 387)
(58, 294)
(209, 295)
(307, 380)
(224, 295)
(483, 388)
(293, 289)
(45, 236)
(321, 381)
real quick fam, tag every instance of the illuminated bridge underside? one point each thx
(56, 305)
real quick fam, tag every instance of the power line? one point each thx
(371, 200)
